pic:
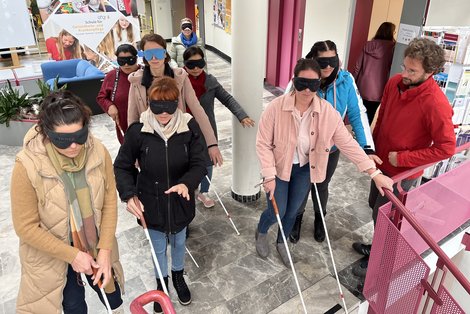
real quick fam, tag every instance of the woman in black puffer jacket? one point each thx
(171, 153)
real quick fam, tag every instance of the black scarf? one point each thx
(330, 79)
(147, 77)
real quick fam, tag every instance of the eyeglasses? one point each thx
(157, 53)
(409, 71)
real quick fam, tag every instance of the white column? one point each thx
(249, 37)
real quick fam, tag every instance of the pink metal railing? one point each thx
(397, 275)
(137, 306)
(442, 257)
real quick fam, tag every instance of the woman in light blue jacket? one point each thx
(339, 89)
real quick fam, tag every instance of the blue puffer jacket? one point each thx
(349, 104)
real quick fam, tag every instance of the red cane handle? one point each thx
(95, 270)
(137, 306)
(273, 200)
(142, 221)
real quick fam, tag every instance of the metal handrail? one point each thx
(401, 176)
(446, 261)
(420, 230)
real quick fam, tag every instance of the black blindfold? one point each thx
(328, 61)
(187, 25)
(191, 64)
(126, 60)
(301, 83)
(161, 106)
(64, 140)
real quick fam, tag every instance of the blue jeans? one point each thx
(204, 183)
(289, 197)
(178, 249)
(73, 301)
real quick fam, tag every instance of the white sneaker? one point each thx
(206, 200)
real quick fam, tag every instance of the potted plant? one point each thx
(17, 115)
(45, 89)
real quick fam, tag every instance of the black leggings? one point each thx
(323, 186)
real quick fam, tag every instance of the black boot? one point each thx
(294, 236)
(156, 306)
(318, 229)
(184, 295)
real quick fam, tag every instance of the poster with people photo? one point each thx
(223, 14)
(89, 29)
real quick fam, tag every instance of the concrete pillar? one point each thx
(413, 13)
(249, 36)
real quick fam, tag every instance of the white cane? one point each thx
(120, 130)
(154, 256)
(187, 250)
(103, 294)
(276, 211)
(105, 298)
(331, 251)
(223, 206)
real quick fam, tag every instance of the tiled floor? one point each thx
(231, 278)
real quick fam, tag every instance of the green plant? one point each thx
(11, 103)
(45, 89)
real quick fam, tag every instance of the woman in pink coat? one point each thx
(295, 134)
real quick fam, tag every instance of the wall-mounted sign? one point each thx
(407, 33)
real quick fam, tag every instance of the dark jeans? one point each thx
(376, 200)
(371, 107)
(73, 301)
(322, 187)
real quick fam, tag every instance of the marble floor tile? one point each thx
(243, 274)
(319, 298)
(269, 294)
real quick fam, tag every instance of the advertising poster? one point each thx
(223, 15)
(89, 29)
(228, 16)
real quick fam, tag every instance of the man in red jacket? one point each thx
(414, 126)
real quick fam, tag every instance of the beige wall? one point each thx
(385, 11)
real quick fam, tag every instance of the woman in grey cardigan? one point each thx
(207, 88)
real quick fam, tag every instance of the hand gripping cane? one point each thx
(329, 248)
(103, 293)
(154, 256)
(276, 212)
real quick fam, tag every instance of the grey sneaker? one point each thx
(281, 249)
(262, 246)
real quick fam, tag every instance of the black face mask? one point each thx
(126, 60)
(328, 61)
(64, 140)
(187, 25)
(191, 64)
(301, 83)
(161, 106)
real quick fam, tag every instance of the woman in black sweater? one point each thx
(171, 153)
